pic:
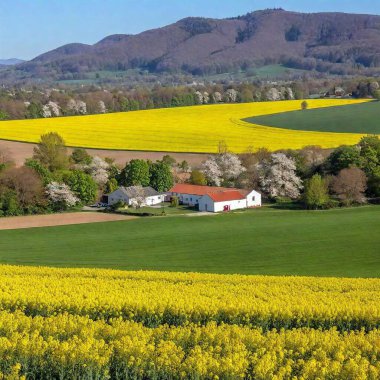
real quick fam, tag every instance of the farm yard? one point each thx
(196, 129)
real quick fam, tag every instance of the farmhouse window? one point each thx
(253, 198)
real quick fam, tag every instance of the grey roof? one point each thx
(136, 191)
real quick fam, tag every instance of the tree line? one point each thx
(42, 102)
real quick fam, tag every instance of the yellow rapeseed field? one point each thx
(108, 324)
(178, 298)
(184, 129)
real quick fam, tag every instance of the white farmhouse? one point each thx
(215, 199)
(136, 195)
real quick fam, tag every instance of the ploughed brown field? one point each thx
(20, 151)
(30, 221)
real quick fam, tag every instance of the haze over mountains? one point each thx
(337, 43)
(10, 61)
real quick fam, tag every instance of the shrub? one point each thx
(174, 201)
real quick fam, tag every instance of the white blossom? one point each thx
(278, 177)
(50, 109)
(289, 94)
(81, 107)
(211, 170)
(77, 106)
(230, 165)
(231, 95)
(54, 108)
(222, 167)
(46, 111)
(60, 192)
(98, 169)
(199, 97)
(102, 107)
(273, 94)
(217, 96)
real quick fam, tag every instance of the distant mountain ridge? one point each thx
(328, 42)
(10, 61)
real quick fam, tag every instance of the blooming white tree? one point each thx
(102, 107)
(217, 96)
(278, 177)
(199, 97)
(98, 169)
(231, 95)
(222, 168)
(230, 166)
(46, 111)
(273, 94)
(77, 106)
(210, 169)
(61, 193)
(50, 109)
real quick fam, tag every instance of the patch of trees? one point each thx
(146, 173)
(52, 180)
(293, 34)
(311, 177)
(196, 25)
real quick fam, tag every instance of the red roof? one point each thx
(226, 195)
(217, 194)
(185, 188)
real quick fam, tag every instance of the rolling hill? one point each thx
(330, 42)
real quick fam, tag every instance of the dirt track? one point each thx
(20, 151)
(16, 222)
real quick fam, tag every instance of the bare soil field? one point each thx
(30, 221)
(19, 151)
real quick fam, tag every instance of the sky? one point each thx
(31, 27)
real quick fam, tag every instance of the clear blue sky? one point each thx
(32, 27)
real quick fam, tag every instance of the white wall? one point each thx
(187, 199)
(155, 199)
(253, 199)
(233, 205)
(207, 204)
(118, 195)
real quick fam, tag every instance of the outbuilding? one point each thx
(215, 199)
(136, 195)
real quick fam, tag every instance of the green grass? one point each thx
(179, 210)
(342, 242)
(355, 118)
(275, 71)
(263, 72)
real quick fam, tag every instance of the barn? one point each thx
(215, 199)
(144, 196)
